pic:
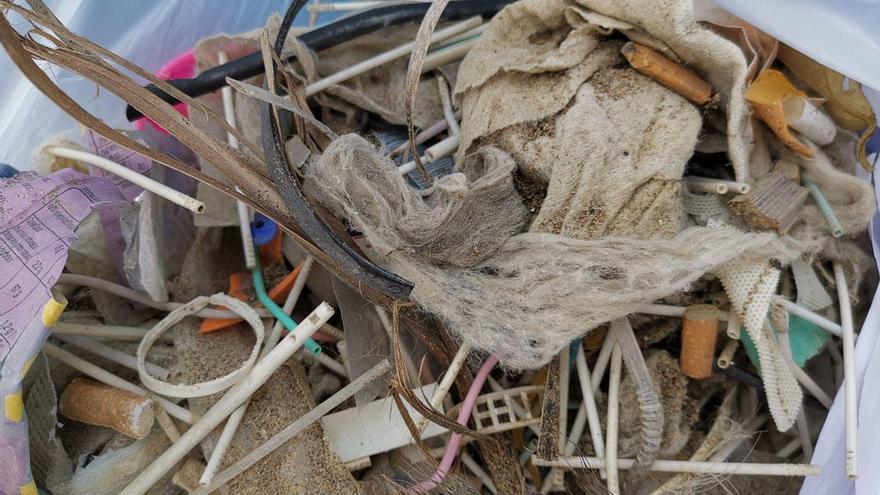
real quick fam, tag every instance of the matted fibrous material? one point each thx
(522, 296)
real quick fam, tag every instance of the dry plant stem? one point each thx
(111, 354)
(725, 451)
(95, 403)
(411, 368)
(611, 461)
(668, 73)
(135, 296)
(388, 56)
(234, 421)
(849, 374)
(297, 426)
(446, 382)
(413, 74)
(696, 467)
(97, 331)
(230, 401)
(105, 376)
(820, 321)
(143, 181)
(481, 474)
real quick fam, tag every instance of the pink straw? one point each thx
(455, 439)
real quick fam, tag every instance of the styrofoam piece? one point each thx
(375, 428)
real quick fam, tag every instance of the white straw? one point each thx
(790, 448)
(244, 216)
(602, 361)
(716, 186)
(442, 149)
(230, 401)
(111, 354)
(445, 383)
(234, 421)
(669, 310)
(297, 426)
(818, 320)
(388, 56)
(611, 461)
(481, 474)
(803, 430)
(696, 467)
(849, 374)
(143, 181)
(105, 376)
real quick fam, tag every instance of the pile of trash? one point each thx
(468, 246)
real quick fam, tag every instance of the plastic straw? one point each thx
(824, 207)
(696, 467)
(849, 374)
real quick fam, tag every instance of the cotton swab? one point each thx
(849, 374)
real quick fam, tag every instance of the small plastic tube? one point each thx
(695, 467)
(669, 310)
(611, 462)
(277, 312)
(788, 449)
(447, 55)
(230, 401)
(446, 103)
(105, 376)
(479, 472)
(430, 132)
(725, 358)
(849, 374)
(111, 354)
(716, 186)
(589, 405)
(388, 56)
(820, 321)
(807, 119)
(803, 430)
(824, 207)
(734, 327)
(601, 364)
(143, 181)
(446, 383)
(244, 216)
(442, 149)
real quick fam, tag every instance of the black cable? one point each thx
(322, 38)
(360, 270)
(741, 375)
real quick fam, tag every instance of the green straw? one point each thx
(276, 310)
(822, 203)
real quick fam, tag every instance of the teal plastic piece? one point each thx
(805, 339)
(277, 312)
(824, 207)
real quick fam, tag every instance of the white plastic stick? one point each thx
(107, 332)
(669, 310)
(820, 321)
(230, 401)
(143, 181)
(557, 479)
(788, 449)
(733, 325)
(442, 149)
(388, 56)
(725, 358)
(611, 461)
(105, 376)
(807, 119)
(319, 8)
(331, 364)
(716, 186)
(111, 354)
(244, 216)
(849, 374)
(446, 103)
(812, 387)
(297, 426)
(602, 361)
(234, 421)
(696, 467)
(446, 382)
(442, 56)
(803, 430)
(589, 404)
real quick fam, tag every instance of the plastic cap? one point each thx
(7, 171)
(263, 230)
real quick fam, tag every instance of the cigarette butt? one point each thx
(698, 336)
(94, 403)
(668, 73)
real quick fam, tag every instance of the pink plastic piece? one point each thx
(181, 67)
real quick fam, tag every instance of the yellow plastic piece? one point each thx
(766, 95)
(13, 406)
(53, 309)
(27, 366)
(28, 489)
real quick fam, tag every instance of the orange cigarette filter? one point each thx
(699, 335)
(670, 74)
(95, 403)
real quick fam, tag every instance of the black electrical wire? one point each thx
(322, 38)
(346, 259)
(742, 376)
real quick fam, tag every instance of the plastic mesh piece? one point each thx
(811, 294)
(704, 206)
(750, 286)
